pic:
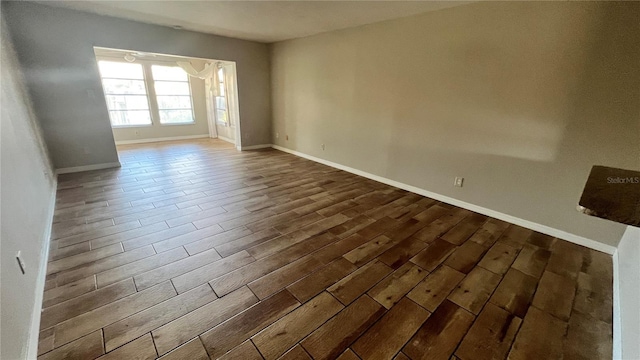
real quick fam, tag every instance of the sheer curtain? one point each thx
(210, 77)
(220, 102)
(210, 72)
(230, 93)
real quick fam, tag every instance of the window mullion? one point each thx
(151, 91)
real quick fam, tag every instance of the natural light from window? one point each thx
(222, 113)
(125, 92)
(173, 94)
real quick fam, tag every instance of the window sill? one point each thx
(130, 126)
(179, 124)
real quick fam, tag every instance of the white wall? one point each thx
(28, 195)
(55, 46)
(628, 281)
(227, 132)
(519, 98)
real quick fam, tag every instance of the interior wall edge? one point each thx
(626, 292)
(28, 201)
(561, 234)
(32, 346)
(617, 326)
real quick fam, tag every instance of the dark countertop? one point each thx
(612, 194)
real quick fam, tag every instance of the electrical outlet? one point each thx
(277, 135)
(21, 263)
(457, 182)
(322, 147)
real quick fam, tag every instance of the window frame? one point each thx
(152, 97)
(158, 109)
(222, 81)
(146, 94)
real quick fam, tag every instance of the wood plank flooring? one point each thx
(193, 250)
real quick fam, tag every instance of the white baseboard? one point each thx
(223, 138)
(580, 240)
(617, 318)
(32, 346)
(76, 169)
(171, 138)
(255, 147)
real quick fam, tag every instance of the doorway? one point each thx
(154, 97)
(223, 90)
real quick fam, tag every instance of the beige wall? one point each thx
(55, 46)
(519, 98)
(27, 191)
(157, 130)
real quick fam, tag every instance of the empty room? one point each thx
(374, 180)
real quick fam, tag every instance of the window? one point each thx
(222, 111)
(126, 93)
(173, 94)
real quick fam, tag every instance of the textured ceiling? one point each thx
(264, 21)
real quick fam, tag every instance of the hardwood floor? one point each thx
(193, 250)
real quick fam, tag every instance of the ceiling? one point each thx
(264, 21)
